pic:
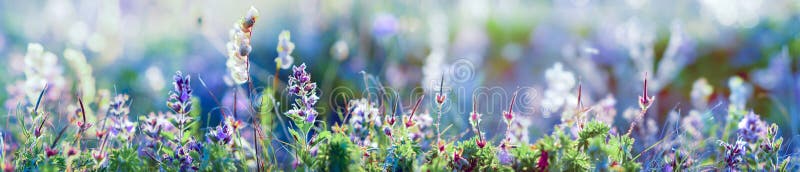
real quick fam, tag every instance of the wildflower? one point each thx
(100, 134)
(390, 120)
(542, 164)
(363, 116)
(480, 142)
(693, 124)
(119, 106)
(509, 115)
(123, 126)
(387, 131)
(182, 155)
(285, 49)
(677, 160)
(41, 69)
(734, 153)
(559, 84)
(99, 156)
(475, 120)
(38, 131)
(153, 125)
(301, 86)
(440, 145)
(740, 92)
(701, 91)
(340, 50)
(239, 47)
(119, 110)
(82, 125)
(384, 25)
(644, 100)
(751, 128)
(180, 97)
(504, 157)
(606, 112)
(440, 96)
(234, 123)
(459, 161)
(49, 152)
(769, 145)
(71, 151)
(518, 131)
(223, 134)
(423, 123)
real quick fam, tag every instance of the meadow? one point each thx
(400, 86)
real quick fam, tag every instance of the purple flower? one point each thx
(384, 25)
(542, 164)
(734, 153)
(312, 115)
(751, 128)
(504, 157)
(119, 105)
(180, 97)
(301, 86)
(223, 134)
(183, 156)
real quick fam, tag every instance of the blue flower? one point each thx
(180, 97)
(751, 128)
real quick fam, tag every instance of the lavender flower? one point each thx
(239, 47)
(123, 126)
(154, 124)
(119, 106)
(180, 97)
(734, 153)
(504, 157)
(751, 128)
(223, 134)
(180, 101)
(301, 86)
(119, 110)
(285, 49)
(182, 154)
(363, 115)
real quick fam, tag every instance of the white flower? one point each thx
(285, 49)
(701, 90)
(559, 88)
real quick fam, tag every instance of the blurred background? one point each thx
(489, 48)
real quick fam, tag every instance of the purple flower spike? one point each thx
(181, 95)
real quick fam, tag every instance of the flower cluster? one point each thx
(119, 110)
(180, 97)
(285, 49)
(239, 47)
(751, 128)
(180, 102)
(41, 69)
(224, 133)
(301, 86)
(734, 153)
(363, 117)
